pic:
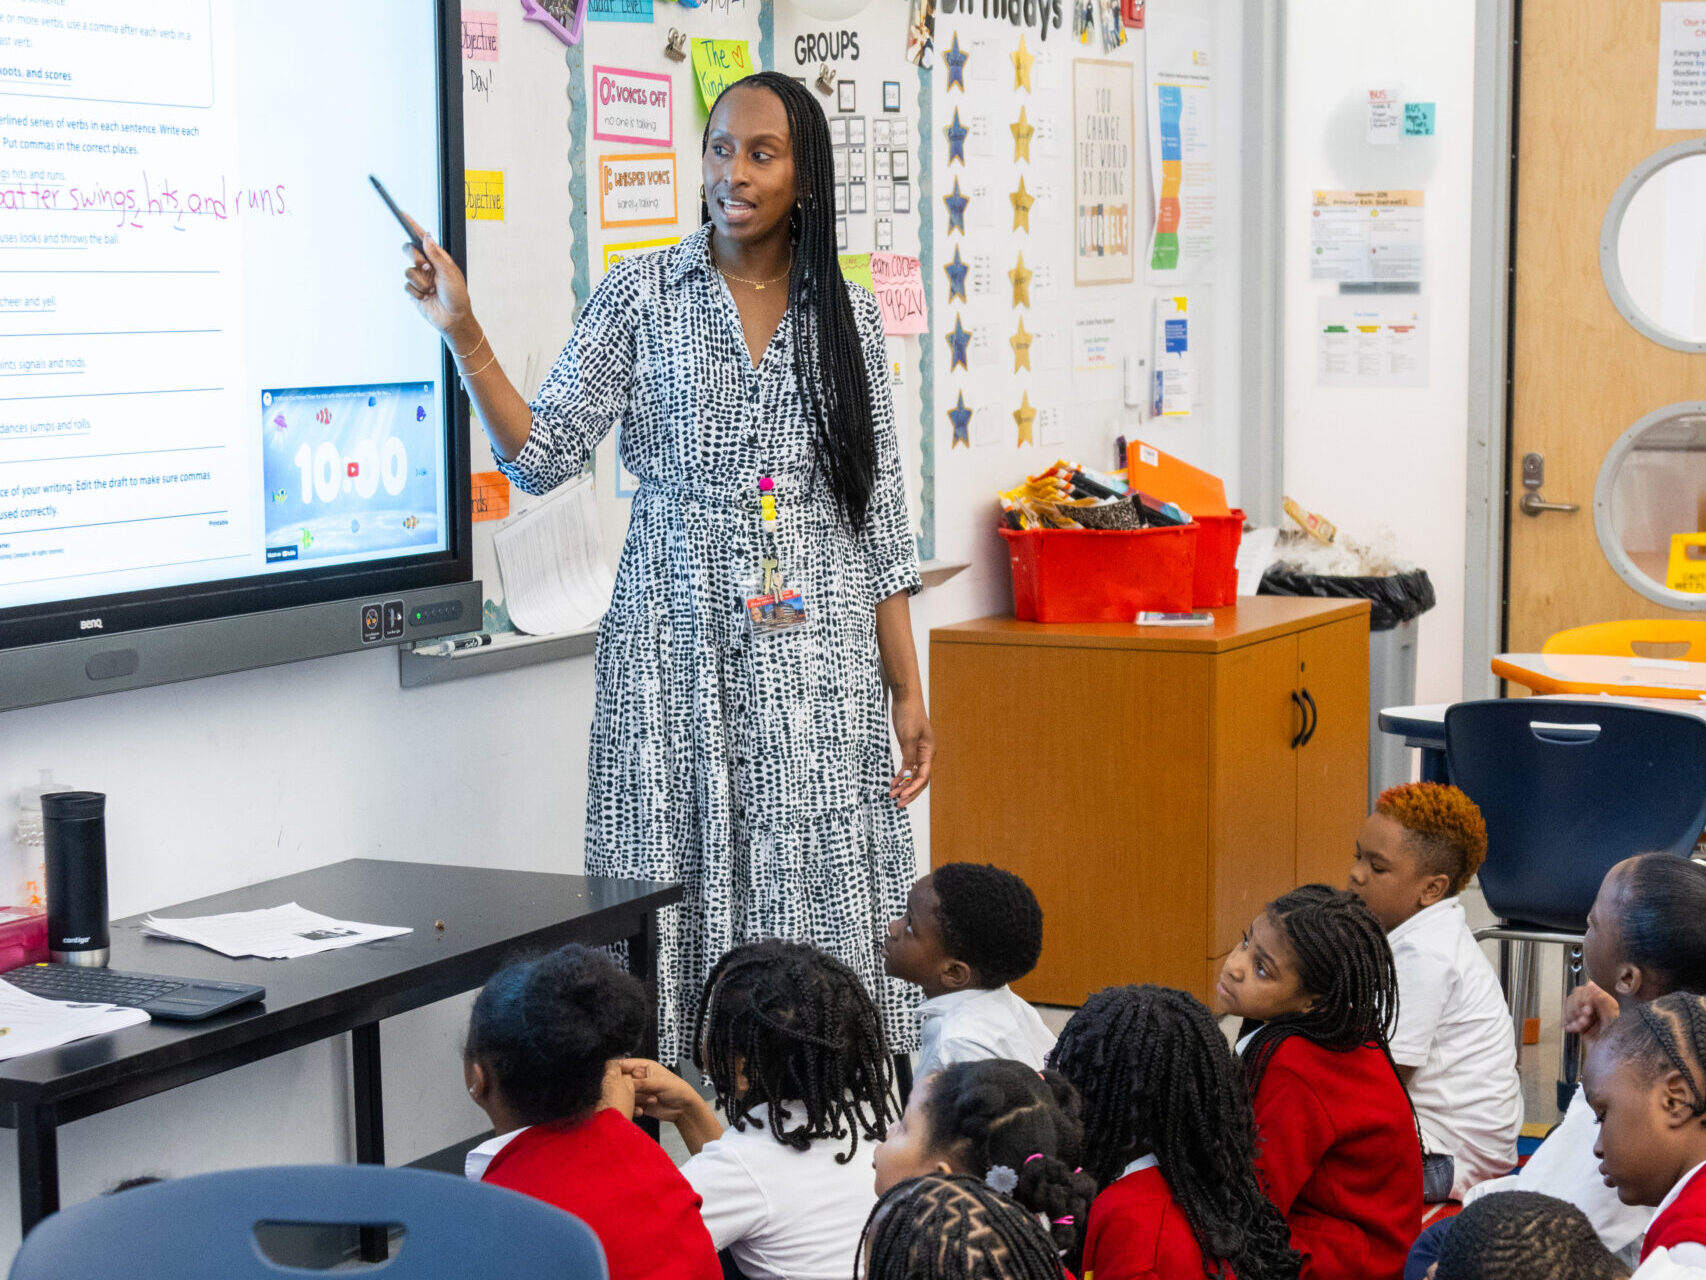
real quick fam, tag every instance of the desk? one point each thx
(1591, 673)
(488, 916)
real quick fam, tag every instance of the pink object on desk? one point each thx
(23, 937)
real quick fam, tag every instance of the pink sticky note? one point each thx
(479, 36)
(562, 18)
(898, 282)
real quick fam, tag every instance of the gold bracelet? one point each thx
(482, 368)
(476, 350)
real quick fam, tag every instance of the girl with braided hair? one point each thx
(1645, 1079)
(544, 1061)
(1338, 1148)
(793, 1046)
(1005, 1122)
(1171, 1140)
(952, 1226)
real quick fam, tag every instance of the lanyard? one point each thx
(772, 584)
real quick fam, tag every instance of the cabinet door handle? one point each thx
(1314, 718)
(1303, 717)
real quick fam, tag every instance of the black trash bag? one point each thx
(1396, 599)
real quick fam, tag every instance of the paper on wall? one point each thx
(1174, 372)
(552, 564)
(1682, 65)
(1182, 163)
(1372, 342)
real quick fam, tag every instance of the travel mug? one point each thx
(74, 825)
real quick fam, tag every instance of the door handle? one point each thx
(1314, 718)
(1303, 719)
(1532, 504)
(1533, 476)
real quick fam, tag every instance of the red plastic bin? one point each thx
(1217, 555)
(1100, 575)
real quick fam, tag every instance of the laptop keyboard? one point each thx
(91, 986)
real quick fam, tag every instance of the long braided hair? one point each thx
(1345, 962)
(1667, 1034)
(800, 1029)
(1523, 1235)
(952, 1226)
(829, 360)
(1002, 1121)
(1156, 1077)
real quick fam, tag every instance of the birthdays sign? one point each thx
(1104, 167)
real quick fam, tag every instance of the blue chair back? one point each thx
(1568, 790)
(203, 1228)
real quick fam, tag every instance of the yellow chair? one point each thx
(1619, 639)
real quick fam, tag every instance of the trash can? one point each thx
(1397, 602)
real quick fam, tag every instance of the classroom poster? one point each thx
(636, 107)
(1364, 236)
(1104, 171)
(719, 63)
(1182, 163)
(479, 35)
(637, 190)
(1682, 65)
(1371, 341)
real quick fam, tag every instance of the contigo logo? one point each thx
(89, 624)
(73, 942)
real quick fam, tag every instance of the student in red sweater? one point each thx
(543, 1061)
(1338, 1147)
(1645, 1078)
(1170, 1138)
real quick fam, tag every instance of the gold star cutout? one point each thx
(1021, 278)
(1022, 202)
(1022, 60)
(1023, 132)
(1021, 344)
(1026, 417)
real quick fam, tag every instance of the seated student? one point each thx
(794, 1048)
(1171, 1140)
(1645, 1079)
(544, 1061)
(952, 1226)
(1525, 1236)
(1646, 936)
(1453, 1044)
(968, 931)
(1002, 1121)
(1337, 1145)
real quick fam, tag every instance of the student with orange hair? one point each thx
(1453, 1046)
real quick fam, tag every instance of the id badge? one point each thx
(773, 615)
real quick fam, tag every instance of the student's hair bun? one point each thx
(546, 1028)
(1060, 1194)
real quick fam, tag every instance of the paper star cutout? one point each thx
(959, 341)
(1021, 275)
(957, 276)
(960, 416)
(957, 133)
(1023, 132)
(956, 204)
(1021, 344)
(1026, 417)
(1022, 202)
(1022, 60)
(956, 57)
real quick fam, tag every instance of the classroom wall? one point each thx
(1385, 459)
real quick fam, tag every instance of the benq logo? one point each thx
(89, 624)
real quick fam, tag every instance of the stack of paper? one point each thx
(28, 1023)
(552, 562)
(277, 933)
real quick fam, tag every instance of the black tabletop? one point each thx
(487, 916)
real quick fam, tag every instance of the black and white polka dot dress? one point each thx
(755, 771)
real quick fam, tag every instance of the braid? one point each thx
(1523, 1235)
(995, 1113)
(1669, 1034)
(953, 1227)
(829, 364)
(1157, 1077)
(1344, 961)
(801, 1029)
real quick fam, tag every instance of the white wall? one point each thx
(1392, 458)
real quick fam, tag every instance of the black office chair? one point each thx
(1569, 789)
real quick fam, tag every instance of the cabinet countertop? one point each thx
(1252, 620)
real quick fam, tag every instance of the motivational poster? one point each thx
(1104, 170)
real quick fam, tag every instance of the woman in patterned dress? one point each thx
(755, 766)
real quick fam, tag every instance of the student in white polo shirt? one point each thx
(1453, 1045)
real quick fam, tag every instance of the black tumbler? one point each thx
(74, 824)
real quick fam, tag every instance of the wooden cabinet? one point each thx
(1155, 786)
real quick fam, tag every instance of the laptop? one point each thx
(159, 996)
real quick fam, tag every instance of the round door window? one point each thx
(1649, 506)
(1652, 247)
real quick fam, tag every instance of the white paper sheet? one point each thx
(29, 1023)
(552, 563)
(274, 933)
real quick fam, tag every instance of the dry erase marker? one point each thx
(445, 647)
(414, 236)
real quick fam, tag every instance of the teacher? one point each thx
(759, 640)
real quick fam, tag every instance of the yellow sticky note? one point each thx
(1687, 568)
(484, 191)
(856, 269)
(719, 63)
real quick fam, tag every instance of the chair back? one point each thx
(203, 1227)
(1569, 789)
(1619, 639)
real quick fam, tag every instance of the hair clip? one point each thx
(1036, 1155)
(1004, 1178)
(1067, 1221)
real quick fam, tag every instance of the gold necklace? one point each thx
(756, 284)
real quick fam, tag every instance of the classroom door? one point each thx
(1617, 418)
